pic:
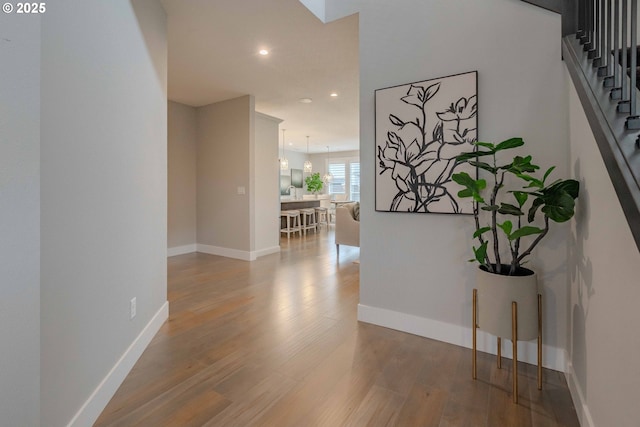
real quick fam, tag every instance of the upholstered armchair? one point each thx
(347, 228)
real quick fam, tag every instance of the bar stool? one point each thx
(322, 217)
(292, 222)
(308, 219)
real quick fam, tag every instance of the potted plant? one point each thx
(314, 183)
(506, 233)
(556, 202)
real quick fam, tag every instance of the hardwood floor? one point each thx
(276, 342)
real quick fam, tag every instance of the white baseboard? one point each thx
(93, 407)
(552, 357)
(181, 250)
(225, 252)
(235, 253)
(266, 251)
(584, 415)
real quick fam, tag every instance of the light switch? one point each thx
(241, 190)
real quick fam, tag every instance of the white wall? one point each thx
(603, 264)
(182, 176)
(20, 220)
(320, 160)
(104, 196)
(225, 132)
(418, 279)
(266, 185)
(296, 159)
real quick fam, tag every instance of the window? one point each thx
(354, 181)
(346, 178)
(338, 183)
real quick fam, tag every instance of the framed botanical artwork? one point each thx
(420, 129)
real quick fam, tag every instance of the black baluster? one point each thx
(609, 80)
(580, 5)
(603, 64)
(616, 92)
(595, 46)
(592, 26)
(633, 121)
(595, 52)
(623, 105)
(589, 23)
(584, 36)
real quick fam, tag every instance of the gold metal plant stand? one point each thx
(514, 342)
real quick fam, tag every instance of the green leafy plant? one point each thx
(314, 183)
(554, 201)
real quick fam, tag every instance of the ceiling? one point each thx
(213, 56)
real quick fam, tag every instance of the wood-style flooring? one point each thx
(276, 342)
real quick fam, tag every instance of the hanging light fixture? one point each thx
(308, 167)
(284, 163)
(327, 176)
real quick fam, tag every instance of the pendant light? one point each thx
(284, 163)
(308, 167)
(327, 176)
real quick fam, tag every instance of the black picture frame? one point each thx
(420, 128)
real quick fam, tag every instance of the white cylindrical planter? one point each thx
(495, 295)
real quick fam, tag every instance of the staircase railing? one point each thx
(602, 59)
(567, 8)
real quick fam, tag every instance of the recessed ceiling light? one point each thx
(291, 143)
(263, 52)
(334, 94)
(306, 100)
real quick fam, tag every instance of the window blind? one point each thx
(354, 181)
(338, 171)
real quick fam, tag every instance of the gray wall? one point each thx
(603, 264)
(104, 190)
(181, 145)
(213, 150)
(225, 133)
(266, 185)
(19, 220)
(422, 270)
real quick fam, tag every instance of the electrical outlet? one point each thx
(241, 190)
(132, 308)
